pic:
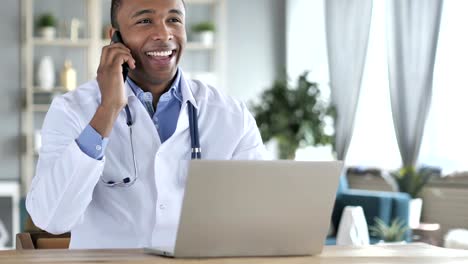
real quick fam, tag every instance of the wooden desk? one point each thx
(412, 253)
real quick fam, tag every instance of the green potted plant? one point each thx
(204, 32)
(395, 232)
(294, 116)
(411, 180)
(46, 24)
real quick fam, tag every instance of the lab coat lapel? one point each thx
(144, 131)
(187, 96)
(141, 118)
(183, 121)
(128, 90)
(187, 91)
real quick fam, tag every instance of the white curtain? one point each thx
(413, 28)
(347, 28)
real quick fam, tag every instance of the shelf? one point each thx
(37, 90)
(199, 46)
(41, 107)
(62, 42)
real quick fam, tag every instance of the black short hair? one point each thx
(114, 8)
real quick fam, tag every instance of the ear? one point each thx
(111, 32)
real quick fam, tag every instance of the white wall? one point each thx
(255, 40)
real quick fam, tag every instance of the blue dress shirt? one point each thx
(164, 119)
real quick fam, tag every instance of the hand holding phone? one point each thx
(117, 38)
(116, 60)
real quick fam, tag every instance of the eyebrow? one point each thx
(144, 11)
(176, 11)
(152, 11)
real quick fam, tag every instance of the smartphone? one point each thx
(117, 38)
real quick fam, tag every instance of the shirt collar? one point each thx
(187, 92)
(184, 88)
(173, 92)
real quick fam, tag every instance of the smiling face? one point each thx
(154, 31)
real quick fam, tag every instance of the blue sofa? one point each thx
(385, 205)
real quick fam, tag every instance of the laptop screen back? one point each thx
(256, 208)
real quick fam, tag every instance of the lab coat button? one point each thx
(162, 207)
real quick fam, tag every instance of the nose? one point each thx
(161, 32)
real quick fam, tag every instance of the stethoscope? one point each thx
(194, 137)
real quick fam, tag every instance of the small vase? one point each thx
(68, 77)
(48, 33)
(206, 38)
(415, 208)
(46, 74)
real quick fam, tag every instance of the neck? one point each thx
(156, 88)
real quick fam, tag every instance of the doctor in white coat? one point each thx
(119, 183)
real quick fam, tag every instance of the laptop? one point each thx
(255, 208)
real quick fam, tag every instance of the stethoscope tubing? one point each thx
(194, 138)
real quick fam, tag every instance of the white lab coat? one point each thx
(67, 193)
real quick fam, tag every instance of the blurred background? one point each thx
(379, 84)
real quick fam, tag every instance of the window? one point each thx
(374, 142)
(445, 141)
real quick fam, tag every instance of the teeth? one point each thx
(159, 53)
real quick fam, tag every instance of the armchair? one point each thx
(385, 205)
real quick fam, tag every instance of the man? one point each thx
(115, 176)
